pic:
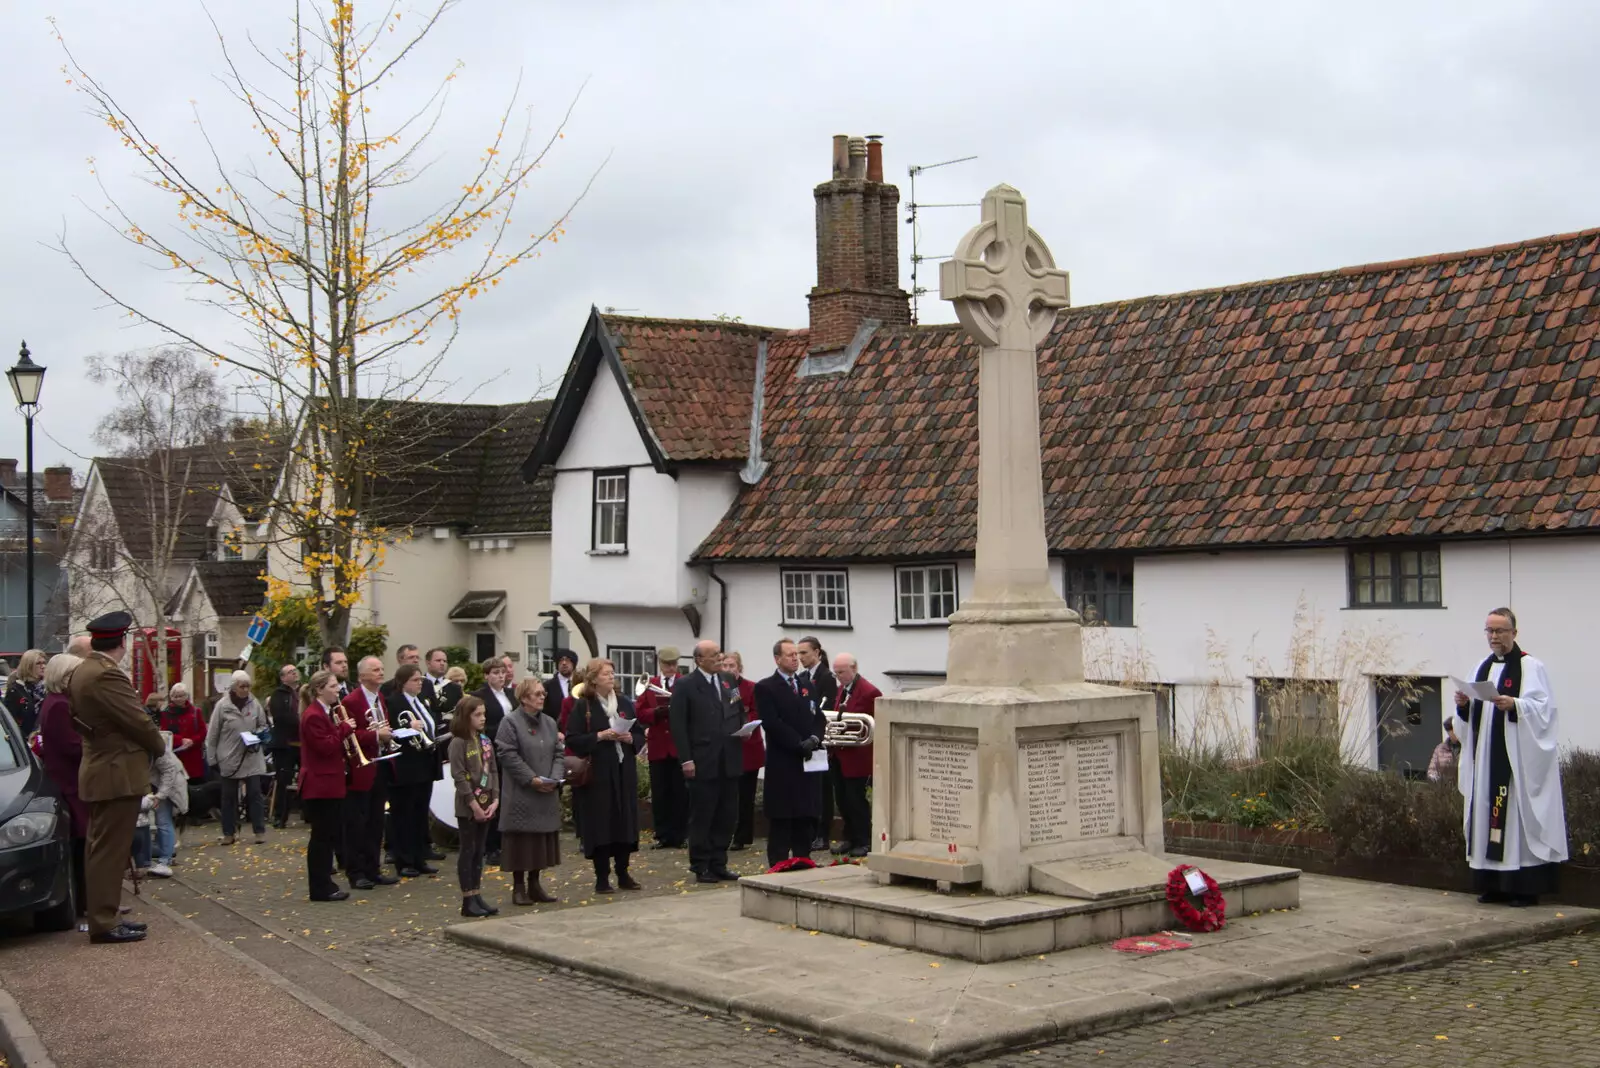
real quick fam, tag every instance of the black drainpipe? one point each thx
(722, 611)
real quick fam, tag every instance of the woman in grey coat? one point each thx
(528, 747)
(233, 747)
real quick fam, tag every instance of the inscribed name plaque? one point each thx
(1094, 762)
(944, 791)
(1050, 816)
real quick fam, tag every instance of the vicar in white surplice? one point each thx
(1510, 774)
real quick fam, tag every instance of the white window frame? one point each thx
(213, 645)
(803, 591)
(230, 544)
(916, 602)
(608, 531)
(633, 662)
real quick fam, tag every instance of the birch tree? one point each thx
(341, 298)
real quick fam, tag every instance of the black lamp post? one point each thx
(27, 378)
(555, 633)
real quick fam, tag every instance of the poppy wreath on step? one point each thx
(1211, 914)
(792, 864)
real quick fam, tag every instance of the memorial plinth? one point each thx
(1016, 778)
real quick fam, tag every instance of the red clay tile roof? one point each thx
(691, 381)
(1454, 395)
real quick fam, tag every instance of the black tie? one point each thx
(794, 684)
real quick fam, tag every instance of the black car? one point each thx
(35, 838)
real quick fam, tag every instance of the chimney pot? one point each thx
(841, 155)
(58, 483)
(858, 158)
(874, 157)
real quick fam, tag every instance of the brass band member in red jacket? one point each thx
(325, 741)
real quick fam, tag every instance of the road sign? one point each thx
(257, 632)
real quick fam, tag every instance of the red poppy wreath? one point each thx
(1211, 914)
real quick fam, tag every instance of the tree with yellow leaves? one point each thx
(339, 315)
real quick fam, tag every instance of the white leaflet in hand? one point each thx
(248, 738)
(748, 729)
(620, 724)
(406, 732)
(817, 761)
(1478, 691)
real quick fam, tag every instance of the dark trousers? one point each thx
(253, 802)
(285, 766)
(326, 817)
(106, 857)
(789, 838)
(469, 857)
(713, 810)
(669, 801)
(408, 810)
(832, 785)
(363, 831)
(78, 886)
(744, 832)
(491, 841)
(203, 795)
(605, 856)
(857, 812)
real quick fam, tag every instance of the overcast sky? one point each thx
(1162, 147)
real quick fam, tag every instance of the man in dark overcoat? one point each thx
(704, 715)
(794, 729)
(824, 688)
(119, 741)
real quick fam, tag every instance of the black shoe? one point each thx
(434, 854)
(705, 877)
(859, 851)
(1493, 897)
(667, 845)
(602, 886)
(409, 872)
(488, 909)
(134, 925)
(492, 859)
(337, 895)
(818, 844)
(279, 825)
(385, 880)
(362, 884)
(628, 882)
(738, 847)
(839, 849)
(120, 933)
(1523, 901)
(427, 869)
(471, 909)
(725, 874)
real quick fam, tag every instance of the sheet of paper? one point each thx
(748, 729)
(817, 761)
(1197, 882)
(406, 732)
(549, 780)
(620, 724)
(248, 738)
(1478, 691)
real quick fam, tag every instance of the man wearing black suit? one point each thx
(794, 729)
(825, 695)
(335, 659)
(558, 687)
(705, 713)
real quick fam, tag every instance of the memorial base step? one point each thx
(849, 901)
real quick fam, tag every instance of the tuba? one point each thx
(845, 730)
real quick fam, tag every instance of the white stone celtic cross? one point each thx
(1007, 292)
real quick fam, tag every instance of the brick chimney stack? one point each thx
(8, 472)
(58, 483)
(858, 247)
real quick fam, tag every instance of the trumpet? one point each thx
(352, 747)
(646, 686)
(387, 746)
(846, 730)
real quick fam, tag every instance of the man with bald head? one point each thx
(366, 793)
(704, 714)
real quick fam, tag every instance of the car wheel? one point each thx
(63, 917)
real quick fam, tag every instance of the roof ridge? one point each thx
(726, 324)
(1353, 270)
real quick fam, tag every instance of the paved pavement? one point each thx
(380, 961)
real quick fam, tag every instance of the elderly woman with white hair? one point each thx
(233, 746)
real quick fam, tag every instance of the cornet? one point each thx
(352, 747)
(646, 686)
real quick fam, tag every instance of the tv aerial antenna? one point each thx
(912, 210)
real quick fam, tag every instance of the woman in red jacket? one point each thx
(322, 779)
(755, 755)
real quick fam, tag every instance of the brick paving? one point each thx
(1532, 1003)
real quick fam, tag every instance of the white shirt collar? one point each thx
(712, 679)
(372, 696)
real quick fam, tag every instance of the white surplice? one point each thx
(1536, 823)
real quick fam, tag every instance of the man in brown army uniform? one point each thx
(119, 741)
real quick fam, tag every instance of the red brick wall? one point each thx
(858, 261)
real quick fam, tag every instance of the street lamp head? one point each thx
(27, 378)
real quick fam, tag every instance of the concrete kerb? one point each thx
(1098, 1015)
(18, 1040)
